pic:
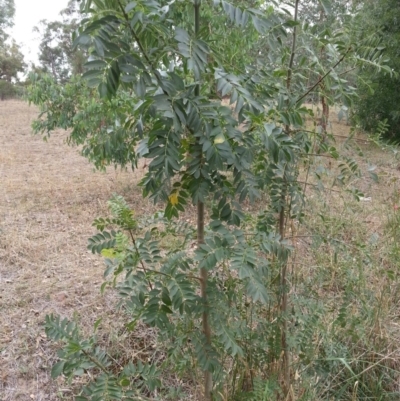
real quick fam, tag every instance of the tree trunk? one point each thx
(208, 380)
(325, 114)
(324, 103)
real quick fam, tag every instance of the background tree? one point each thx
(7, 12)
(56, 54)
(11, 58)
(11, 61)
(378, 92)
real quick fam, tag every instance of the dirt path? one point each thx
(49, 195)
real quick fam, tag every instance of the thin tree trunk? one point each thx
(208, 380)
(282, 217)
(325, 115)
(324, 103)
(284, 305)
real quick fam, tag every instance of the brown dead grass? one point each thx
(371, 214)
(48, 200)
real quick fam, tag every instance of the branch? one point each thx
(96, 362)
(168, 275)
(138, 253)
(364, 141)
(316, 186)
(141, 47)
(317, 154)
(345, 72)
(324, 76)
(289, 76)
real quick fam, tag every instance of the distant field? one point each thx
(49, 196)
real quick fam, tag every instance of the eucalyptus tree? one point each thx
(150, 90)
(11, 61)
(11, 58)
(56, 54)
(7, 13)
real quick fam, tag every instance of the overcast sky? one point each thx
(28, 13)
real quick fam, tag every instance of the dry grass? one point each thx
(49, 198)
(368, 263)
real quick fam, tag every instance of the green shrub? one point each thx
(378, 93)
(377, 102)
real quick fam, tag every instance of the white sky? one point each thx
(28, 13)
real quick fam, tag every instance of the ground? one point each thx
(49, 197)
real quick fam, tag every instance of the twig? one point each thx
(314, 185)
(138, 253)
(317, 154)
